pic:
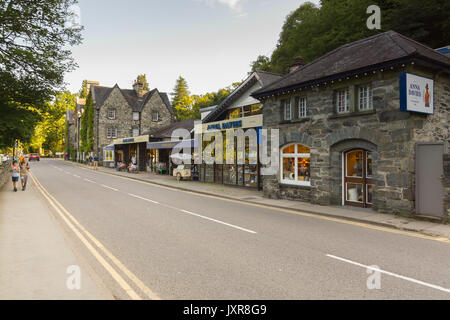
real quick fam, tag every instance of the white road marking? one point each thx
(145, 199)
(76, 176)
(391, 274)
(108, 187)
(218, 221)
(67, 172)
(89, 180)
(114, 274)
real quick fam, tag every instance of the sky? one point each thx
(210, 43)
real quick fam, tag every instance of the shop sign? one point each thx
(416, 93)
(225, 125)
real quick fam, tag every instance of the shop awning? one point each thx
(109, 147)
(171, 144)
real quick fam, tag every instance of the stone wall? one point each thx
(5, 174)
(155, 103)
(123, 120)
(446, 184)
(389, 133)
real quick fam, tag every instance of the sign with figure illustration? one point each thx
(416, 93)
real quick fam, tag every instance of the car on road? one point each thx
(34, 156)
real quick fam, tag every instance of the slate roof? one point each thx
(136, 103)
(388, 48)
(264, 78)
(166, 132)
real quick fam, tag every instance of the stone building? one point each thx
(365, 125)
(120, 113)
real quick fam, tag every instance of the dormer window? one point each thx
(111, 114)
(155, 116)
(136, 116)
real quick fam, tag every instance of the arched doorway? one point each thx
(357, 176)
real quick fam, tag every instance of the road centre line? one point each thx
(145, 199)
(218, 221)
(102, 248)
(391, 274)
(285, 210)
(89, 180)
(194, 214)
(76, 176)
(125, 286)
(104, 186)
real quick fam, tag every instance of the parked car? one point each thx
(34, 156)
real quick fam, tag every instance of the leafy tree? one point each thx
(142, 78)
(180, 91)
(34, 55)
(87, 126)
(51, 131)
(261, 63)
(311, 31)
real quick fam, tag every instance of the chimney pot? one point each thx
(298, 63)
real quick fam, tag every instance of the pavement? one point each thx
(149, 241)
(256, 197)
(36, 259)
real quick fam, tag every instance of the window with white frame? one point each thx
(111, 132)
(111, 113)
(155, 116)
(135, 116)
(365, 99)
(135, 132)
(295, 164)
(342, 98)
(301, 103)
(287, 110)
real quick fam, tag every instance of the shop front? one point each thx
(243, 168)
(369, 134)
(239, 113)
(131, 149)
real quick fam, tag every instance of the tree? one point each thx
(142, 78)
(261, 63)
(34, 55)
(87, 126)
(51, 130)
(180, 91)
(311, 31)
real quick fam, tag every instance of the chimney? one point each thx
(298, 63)
(139, 88)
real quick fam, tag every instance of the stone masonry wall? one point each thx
(123, 120)
(446, 184)
(389, 133)
(5, 175)
(155, 103)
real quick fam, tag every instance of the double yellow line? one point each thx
(96, 247)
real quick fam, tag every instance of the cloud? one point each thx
(235, 5)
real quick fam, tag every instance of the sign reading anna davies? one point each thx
(416, 93)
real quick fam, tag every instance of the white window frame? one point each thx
(294, 155)
(287, 103)
(133, 132)
(135, 116)
(111, 133)
(114, 114)
(153, 116)
(302, 108)
(365, 98)
(342, 100)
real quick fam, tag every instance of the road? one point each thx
(168, 244)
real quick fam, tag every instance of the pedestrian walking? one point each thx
(95, 162)
(24, 168)
(15, 174)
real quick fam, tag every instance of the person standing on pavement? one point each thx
(24, 168)
(95, 162)
(15, 174)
